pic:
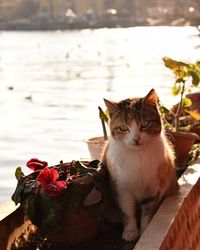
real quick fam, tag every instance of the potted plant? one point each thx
(96, 145)
(178, 129)
(65, 202)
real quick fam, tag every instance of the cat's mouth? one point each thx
(134, 145)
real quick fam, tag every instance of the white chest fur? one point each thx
(135, 170)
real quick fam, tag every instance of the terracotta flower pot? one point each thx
(80, 225)
(77, 227)
(72, 213)
(96, 146)
(182, 142)
(196, 130)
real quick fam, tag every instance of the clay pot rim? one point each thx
(194, 94)
(184, 134)
(96, 139)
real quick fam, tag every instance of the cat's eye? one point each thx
(123, 128)
(145, 124)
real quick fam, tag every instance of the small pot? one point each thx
(78, 227)
(78, 222)
(96, 147)
(81, 225)
(182, 142)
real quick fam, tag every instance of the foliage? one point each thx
(183, 72)
(194, 115)
(187, 75)
(48, 191)
(194, 153)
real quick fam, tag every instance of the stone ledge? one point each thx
(7, 208)
(164, 228)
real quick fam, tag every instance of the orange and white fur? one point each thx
(139, 159)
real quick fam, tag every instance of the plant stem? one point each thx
(179, 109)
(104, 129)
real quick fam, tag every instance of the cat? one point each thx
(139, 159)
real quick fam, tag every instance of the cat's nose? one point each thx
(136, 141)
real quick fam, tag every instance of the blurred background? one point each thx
(51, 14)
(60, 58)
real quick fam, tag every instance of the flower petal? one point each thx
(36, 164)
(47, 175)
(55, 188)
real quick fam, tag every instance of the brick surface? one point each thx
(176, 225)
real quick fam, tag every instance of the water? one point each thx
(60, 78)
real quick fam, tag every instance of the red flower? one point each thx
(47, 179)
(55, 188)
(36, 164)
(47, 175)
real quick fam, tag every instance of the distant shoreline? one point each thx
(45, 26)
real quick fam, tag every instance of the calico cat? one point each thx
(139, 159)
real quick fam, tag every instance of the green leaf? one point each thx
(94, 164)
(194, 153)
(173, 64)
(82, 169)
(197, 64)
(30, 186)
(195, 115)
(195, 78)
(73, 197)
(180, 80)
(184, 129)
(103, 115)
(107, 114)
(92, 198)
(18, 173)
(19, 191)
(32, 209)
(49, 213)
(180, 69)
(186, 102)
(167, 124)
(164, 110)
(176, 89)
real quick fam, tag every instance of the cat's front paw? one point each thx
(130, 235)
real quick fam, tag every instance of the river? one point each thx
(51, 84)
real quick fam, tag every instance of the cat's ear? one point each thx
(151, 96)
(111, 106)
